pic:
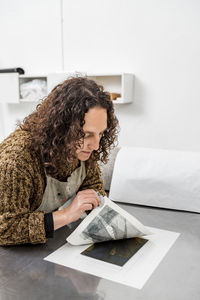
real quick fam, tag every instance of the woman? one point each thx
(51, 158)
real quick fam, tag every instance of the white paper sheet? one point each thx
(155, 177)
(106, 222)
(134, 273)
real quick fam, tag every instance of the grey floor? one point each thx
(25, 275)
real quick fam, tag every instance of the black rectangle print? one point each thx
(116, 252)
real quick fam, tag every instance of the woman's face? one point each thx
(94, 127)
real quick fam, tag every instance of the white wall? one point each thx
(11, 114)
(31, 35)
(158, 41)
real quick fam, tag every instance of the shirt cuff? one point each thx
(48, 225)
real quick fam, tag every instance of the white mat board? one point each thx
(134, 273)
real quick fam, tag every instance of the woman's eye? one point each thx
(91, 135)
(87, 136)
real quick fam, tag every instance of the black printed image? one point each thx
(115, 252)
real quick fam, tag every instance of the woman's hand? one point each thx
(85, 200)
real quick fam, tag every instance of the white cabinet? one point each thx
(120, 84)
(11, 87)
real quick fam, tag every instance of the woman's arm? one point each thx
(84, 201)
(18, 223)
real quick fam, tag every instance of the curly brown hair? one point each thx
(56, 124)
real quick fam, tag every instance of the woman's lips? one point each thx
(86, 152)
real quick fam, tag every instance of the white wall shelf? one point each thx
(118, 83)
(121, 84)
(10, 87)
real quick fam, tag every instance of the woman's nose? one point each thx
(95, 143)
